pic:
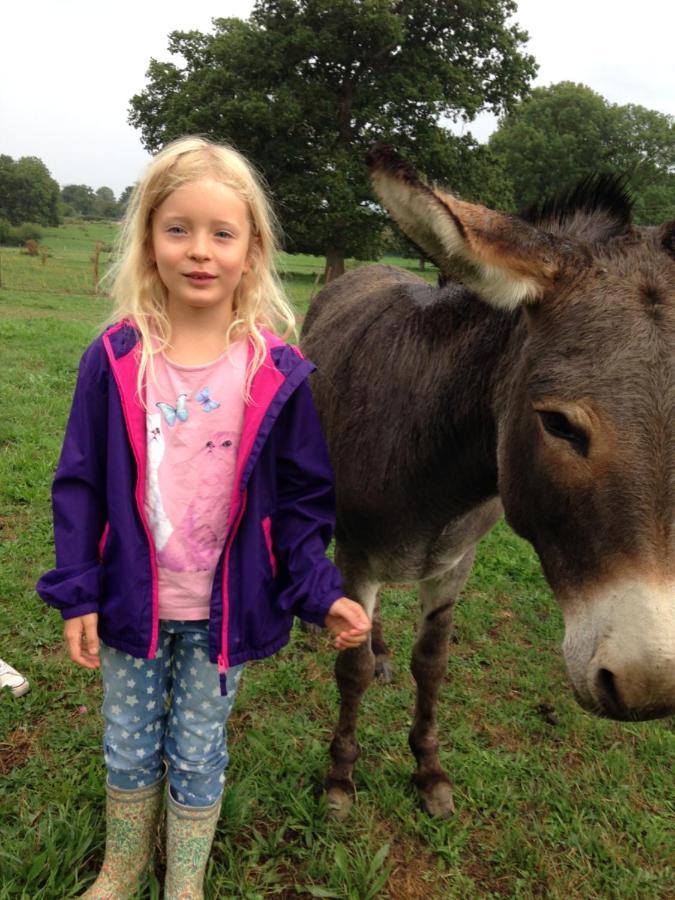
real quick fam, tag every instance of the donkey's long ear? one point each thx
(500, 257)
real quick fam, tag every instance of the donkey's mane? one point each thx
(602, 196)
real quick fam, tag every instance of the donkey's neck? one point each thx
(470, 347)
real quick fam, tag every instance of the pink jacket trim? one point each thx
(125, 372)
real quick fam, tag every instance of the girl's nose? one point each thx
(199, 248)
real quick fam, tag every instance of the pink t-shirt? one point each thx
(194, 421)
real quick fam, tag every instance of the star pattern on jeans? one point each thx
(143, 730)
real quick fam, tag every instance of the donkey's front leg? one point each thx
(429, 664)
(354, 670)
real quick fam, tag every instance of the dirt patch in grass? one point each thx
(409, 878)
(479, 869)
(52, 651)
(499, 736)
(21, 744)
(317, 672)
(13, 526)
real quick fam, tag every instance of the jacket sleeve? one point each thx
(74, 586)
(304, 520)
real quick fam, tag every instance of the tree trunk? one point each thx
(422, 262)
(335, 264)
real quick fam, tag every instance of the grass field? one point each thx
(551, 803)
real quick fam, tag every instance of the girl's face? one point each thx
(201, 242)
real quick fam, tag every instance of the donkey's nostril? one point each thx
(609, 694)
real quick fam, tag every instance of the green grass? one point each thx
(554, 805)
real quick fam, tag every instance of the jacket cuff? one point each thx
(74, 611)
(316, 612)
(74, 590)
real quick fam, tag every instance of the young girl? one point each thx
(192, 503)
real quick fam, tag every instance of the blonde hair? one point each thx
(136, 289)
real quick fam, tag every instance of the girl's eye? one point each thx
(223, 234)
(176, 229)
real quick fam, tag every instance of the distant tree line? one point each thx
(30, 198)
(80, 200)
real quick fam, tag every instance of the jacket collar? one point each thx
(282, 370)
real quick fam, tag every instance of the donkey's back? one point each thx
(401, 388)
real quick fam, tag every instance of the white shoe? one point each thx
(13, 680)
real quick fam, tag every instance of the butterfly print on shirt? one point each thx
(171, 413)
(205, 401)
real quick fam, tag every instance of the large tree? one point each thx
(303, 86)
(106, 205)
(80, 198)
(566, 131)
(28, 193)
(645, 151)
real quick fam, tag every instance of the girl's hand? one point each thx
(348, 622)
(81, 637)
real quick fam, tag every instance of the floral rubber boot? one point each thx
(189, 835)
(131, 829)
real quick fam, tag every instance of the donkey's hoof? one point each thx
(437, 801)
(384, 669)
(339, 803)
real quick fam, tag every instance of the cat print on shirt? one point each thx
(159, 521)
(200, 520)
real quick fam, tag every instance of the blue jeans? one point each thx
(168, 709)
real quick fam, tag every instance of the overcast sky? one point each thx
(69, 67)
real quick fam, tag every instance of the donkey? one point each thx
(540, 383)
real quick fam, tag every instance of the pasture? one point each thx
(550, 801)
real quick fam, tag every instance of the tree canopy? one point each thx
(28, 193)
(304, 86)
(82, 200)
(566, 132)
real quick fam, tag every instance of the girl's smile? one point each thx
(201, 237)
(200, 277)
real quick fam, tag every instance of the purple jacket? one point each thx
(272, 565)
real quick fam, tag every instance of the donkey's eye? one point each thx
(559, 426)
